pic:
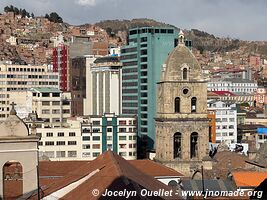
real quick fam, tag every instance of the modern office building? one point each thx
(142, 58)
(17, 78)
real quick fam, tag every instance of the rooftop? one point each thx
(249, 178)
(108, 171)
(107, 59)
(45, 89)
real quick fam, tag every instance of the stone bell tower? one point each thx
(18, 146)
(181, 123)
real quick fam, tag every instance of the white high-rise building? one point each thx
(226, 121)
(103, 83)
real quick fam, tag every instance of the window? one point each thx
(193, 104)
(109, 137)
(96, 146)
(177, 105)
(95, 154)
(49, 134)
(96, 138)
(122, 137)
(60, 143)
(122, 153)
(96, 130)
(86, 146)
(40, 143)
(184, 73)
(122, 122)
(193, 145)
(45, 94)
(109, 129)
(96, 122)
(72, 154)
(72, 142)
(231, 126)
(56, 111)
(72, 134)
(49, 143)
(177, 145)
(60, 154)
(86, 138)
(122, 130)
(55, 94)
(56, 103)
(123, 146)
(46, 111)
(231, 119)
(46, 103)
(60, 134)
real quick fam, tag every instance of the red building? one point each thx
(60, 61)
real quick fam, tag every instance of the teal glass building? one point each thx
(142, 59)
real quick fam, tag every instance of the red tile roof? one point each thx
(115, 173)
(249, 178)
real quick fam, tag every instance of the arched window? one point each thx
(177, 105)
(12, 174)
(184, 73)
(194, 104)
(193, 145)
(177, 145)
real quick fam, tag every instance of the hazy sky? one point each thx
(242, 19)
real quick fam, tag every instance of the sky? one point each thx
(237, 19)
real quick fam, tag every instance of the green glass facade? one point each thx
(142, 58)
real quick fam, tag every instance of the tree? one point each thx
(16, 11)
(7, 9)
(23, 13)
(54, 17)
(32, 15)
(11, 8)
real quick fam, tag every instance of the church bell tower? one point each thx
(182, 124)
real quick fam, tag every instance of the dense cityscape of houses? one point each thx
(84, 96)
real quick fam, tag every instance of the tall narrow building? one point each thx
(182, 125)
(142, 58)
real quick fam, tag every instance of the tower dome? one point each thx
(181, 64)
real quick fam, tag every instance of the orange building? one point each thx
(212, 126)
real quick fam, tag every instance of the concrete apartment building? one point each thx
(226, 121)
(142, 58)
(17, 78)
(238, 86)
(86, 138)
(50, 104)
